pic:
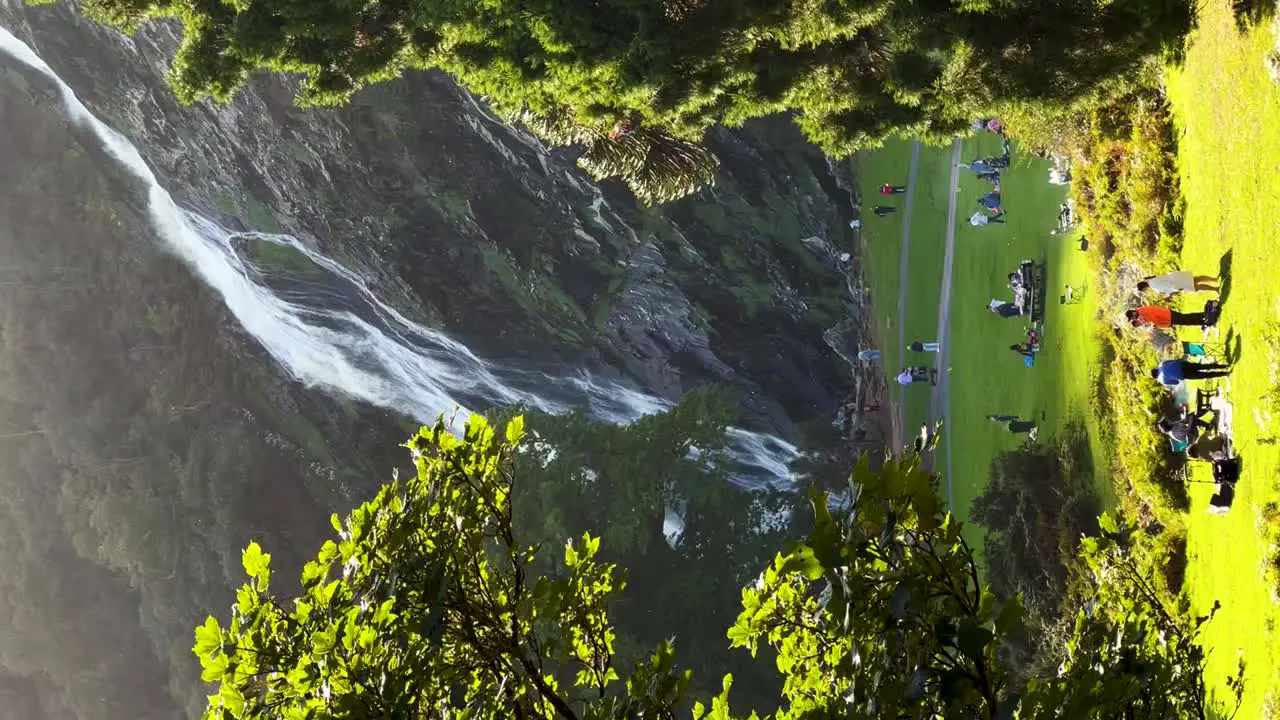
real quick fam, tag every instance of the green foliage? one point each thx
(1132, 654)
(901, 626)
(640, 83)
(622, 483)
(1038, 504)
(1129, 201)
(1127, 189)
(881, 614)
(425, 601)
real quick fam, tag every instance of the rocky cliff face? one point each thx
(474, 227)
(145, 435)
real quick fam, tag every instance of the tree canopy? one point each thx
(638, 83)
(426, 605)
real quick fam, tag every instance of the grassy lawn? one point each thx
(986, 377)
(883, 252)
(1229, 153)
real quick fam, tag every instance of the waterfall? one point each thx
(326, 329)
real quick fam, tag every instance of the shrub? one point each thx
(1128, 199)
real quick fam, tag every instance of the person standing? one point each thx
(920, 346)
(1171, 373)
(1182, 281)
(1158, 317)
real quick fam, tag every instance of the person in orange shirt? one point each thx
(1152, 316)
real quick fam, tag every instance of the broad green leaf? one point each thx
(232, 699)
(208, 638)
(256, 563)
(972, 639)
(215, 668)
(515, 430)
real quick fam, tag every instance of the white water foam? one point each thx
(365, 349)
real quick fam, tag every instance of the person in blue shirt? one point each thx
(1173, 372)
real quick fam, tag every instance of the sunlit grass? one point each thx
(1229, 156)
(986, 377)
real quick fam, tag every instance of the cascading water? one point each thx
(324, 326)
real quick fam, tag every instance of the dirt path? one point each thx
(940, 406)
(904, 270)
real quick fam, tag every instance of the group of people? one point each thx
(1022, 283)
(1199, 433)
(887, 191)
(988, 169)
(911, 374)
(1171, 373)
(1168, 285)
(920, 373)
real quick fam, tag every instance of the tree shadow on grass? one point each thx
(1224, 276)
(1250, 13)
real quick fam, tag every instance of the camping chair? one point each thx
(1203, 352)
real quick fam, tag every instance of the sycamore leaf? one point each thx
(208, 638)
(256, 563)
(515, 430)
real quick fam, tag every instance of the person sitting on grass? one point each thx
(916, 374)
(1184, 429)
(979, 167)
(980, 218)
(1024, 349)
(1171, 373)
(1182, 281)
(1159, 317)
(1016, 425)
(1004, 309)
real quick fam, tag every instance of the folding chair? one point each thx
(1203, 352)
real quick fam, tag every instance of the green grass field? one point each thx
(1228, 114)
(1229, 155)
(986, 377)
